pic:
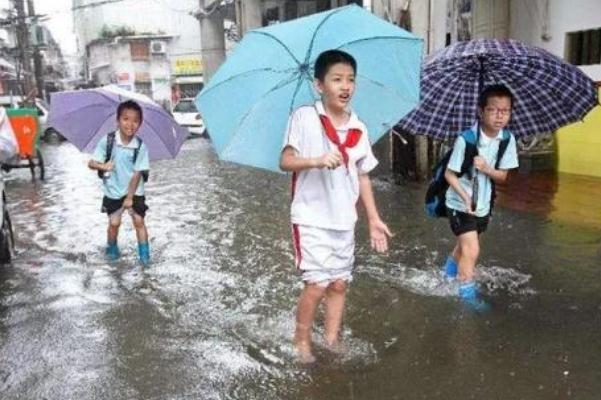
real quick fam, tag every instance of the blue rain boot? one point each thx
(112, 251)
(468, 294)
(450, 268)
(144, 253)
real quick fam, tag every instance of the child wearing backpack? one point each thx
(121, 159)
(327, 148)
(478, 161)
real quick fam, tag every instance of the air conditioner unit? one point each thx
(158, 47)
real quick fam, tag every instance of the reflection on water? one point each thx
(213, 317)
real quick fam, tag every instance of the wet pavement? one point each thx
(214, 315)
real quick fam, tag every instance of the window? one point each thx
(190, 89)
(144, 88)
(139, 50)
(185, 106)
(583, 47)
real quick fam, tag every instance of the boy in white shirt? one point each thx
(328, 150)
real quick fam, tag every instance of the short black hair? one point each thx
(129, 105)
(330, 57)
(497, 90)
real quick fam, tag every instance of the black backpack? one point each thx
(110, 142)
(437, 189)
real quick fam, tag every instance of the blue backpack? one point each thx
(437, 189)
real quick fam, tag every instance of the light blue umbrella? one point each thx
(270, 73)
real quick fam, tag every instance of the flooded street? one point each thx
(213, 316)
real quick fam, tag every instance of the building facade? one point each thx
(138, 63)
(182, 56)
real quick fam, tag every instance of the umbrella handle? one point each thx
(475, 189)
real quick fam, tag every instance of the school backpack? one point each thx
(437, 189)
(110, 142)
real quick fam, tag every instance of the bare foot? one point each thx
(303, 352)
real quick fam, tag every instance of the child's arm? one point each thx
(290, 161)
(378, 231)
(98, 166)
(131, 189)
(451, 177)
(497, 175)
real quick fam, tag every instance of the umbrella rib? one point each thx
(160, 137)
(269, 35)
(97, 130)
(383, 86)
(378, 38)
(298, 85)
(438, 105)
(209, 89)
(323, 21)
(82, 108)
(276, 87)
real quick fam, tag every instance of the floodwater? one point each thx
(213, 317)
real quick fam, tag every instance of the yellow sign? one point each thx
(187, 66)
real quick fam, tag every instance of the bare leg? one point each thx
(469, 249)
(457, 252)
(113, 229)
(308, 301)
(140, 226)
(335, 298)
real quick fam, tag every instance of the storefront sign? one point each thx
(187, 66)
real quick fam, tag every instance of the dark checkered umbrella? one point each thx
(549, 93)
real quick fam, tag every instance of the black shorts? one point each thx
(109, 205)
(462, 222)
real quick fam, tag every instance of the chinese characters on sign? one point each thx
(187, 66)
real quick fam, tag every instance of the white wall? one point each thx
(528, 19)
(171, 17)
(112, 63)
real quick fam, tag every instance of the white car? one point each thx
(43, 108)
(186, 115)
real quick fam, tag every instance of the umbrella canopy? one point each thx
(549, 93)
(270, 73)
(84, 116)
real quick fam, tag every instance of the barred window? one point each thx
(139, 50)
(583, 47)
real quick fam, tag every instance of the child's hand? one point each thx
(128, 202)
(107, 166)
(467, 201)
(481, 164)
(379, 234)
(330, 160)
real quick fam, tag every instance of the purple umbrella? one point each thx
(83, 117)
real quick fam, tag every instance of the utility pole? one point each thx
(23, 45)
(248, 15)
(37, 56)
(212, 37)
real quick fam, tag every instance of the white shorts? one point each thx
(323, 255)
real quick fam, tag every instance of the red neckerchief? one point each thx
(352, 137)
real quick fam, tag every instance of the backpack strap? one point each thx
(110, 142)
(137, 149)
(471, 151)
(500, 153)
(502, 147)
(108, 152)
(136, 152)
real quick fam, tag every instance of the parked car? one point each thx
(9, 147)
(186, 115)
(7, 240)
(43, 108)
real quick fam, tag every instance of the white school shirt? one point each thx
(322, 197)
